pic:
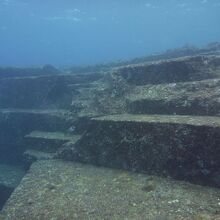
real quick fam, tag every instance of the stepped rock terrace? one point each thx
(138, 140)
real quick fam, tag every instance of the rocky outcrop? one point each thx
(40, 92)
(16, 123)
(183, 147)
(159, 117)
(190, 98)
(172, 71)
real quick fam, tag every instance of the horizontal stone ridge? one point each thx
(33, 111)
(210, 121)
(53, 136)
(49, 142)
(67, 190)
(37, 155)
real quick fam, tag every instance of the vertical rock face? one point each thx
(40, 91)
(184, 147)
(35, 93)
(190, 98)
(179, 70)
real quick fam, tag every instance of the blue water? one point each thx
(86, 32)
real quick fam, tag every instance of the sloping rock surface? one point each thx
(63, 190)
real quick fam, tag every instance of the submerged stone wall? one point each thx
(40, 92)
(177, 70)
(176, 148)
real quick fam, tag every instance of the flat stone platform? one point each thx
(212, 121)
(59, 136)
(57, 190)
(33, 111)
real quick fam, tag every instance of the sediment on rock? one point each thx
(183, 147)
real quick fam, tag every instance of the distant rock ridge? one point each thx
(47, 69)
(8, 72)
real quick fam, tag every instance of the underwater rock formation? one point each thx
(183, 147)
(172, 71)
(73, 191)
(159, 116)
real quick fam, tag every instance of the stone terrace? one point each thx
(145, 125)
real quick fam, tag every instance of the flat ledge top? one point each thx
(55, 189)
(39, 155)
(210, 121)
(53, 136)
(34, 111)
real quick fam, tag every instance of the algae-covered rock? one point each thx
(184, 147)
(169, 71)
(72, 191)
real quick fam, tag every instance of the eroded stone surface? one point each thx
(190, 98)
(184, 147)
(65, 190)
(170, 71)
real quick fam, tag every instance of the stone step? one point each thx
(207, 121)
(30, 156)
(172, 70)
(192, 98)
(34, 155)
(184, 147)
(56, 112)
(10, 177)
(81, 85)
(67, 190)
(48, 141)
(16, 123)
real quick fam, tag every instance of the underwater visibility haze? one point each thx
(110, 110)
(87, 32)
